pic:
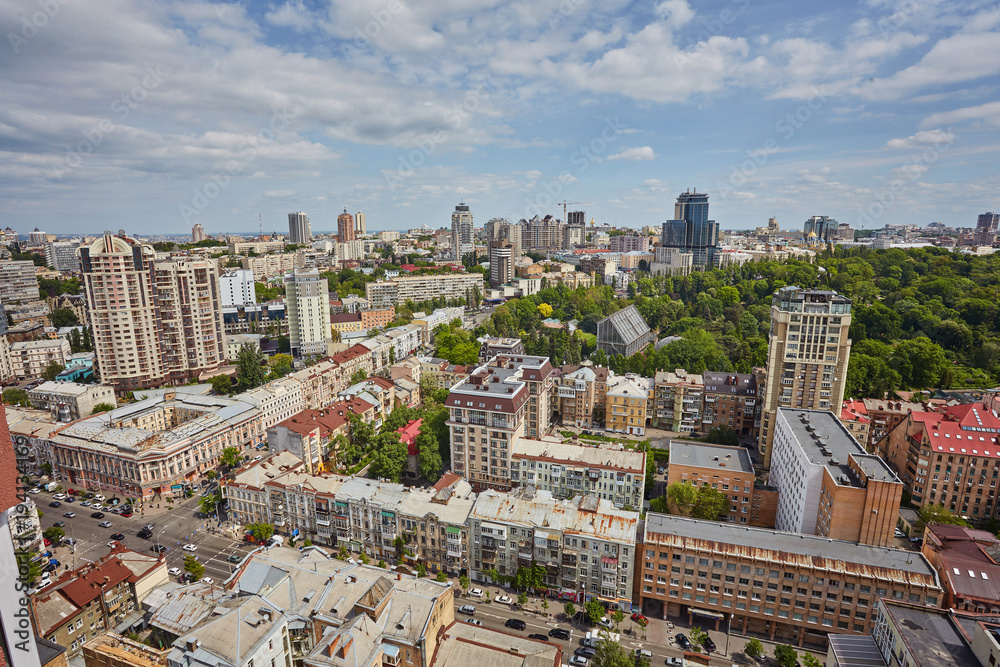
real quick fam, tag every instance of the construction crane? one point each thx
(574, 203)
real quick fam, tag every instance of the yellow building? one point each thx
(625, 408)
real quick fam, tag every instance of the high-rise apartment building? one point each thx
(573, 235)
(491, 410)
(61, 255)
(807, 355)
(542, 233)
(18, 281)
(238, 289)
(576, 218)
(345, 227)
(198, 233)
(462, 238)
(691, 230)
(989, 221)
(512, 233)
(360, 227)
(820, 229)
(153, 323)
(299, 228)
(501, 263)
(308, 312)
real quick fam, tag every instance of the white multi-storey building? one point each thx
(238, 289)
(30, 357)
(277, 400)
(308, 312)
(586, 545)
(421, 288)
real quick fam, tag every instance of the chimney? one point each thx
(331, 650)
(192, 645)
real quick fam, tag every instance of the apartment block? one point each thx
(272, 266)
(487, 415)
(158, 445)
(626, 403)
(28, 359)
(854, 417)
(566, 470)
(445, 373)
(377, 319)
(734, 401)
(276, 401)
(308, 313)
(951, 458)
(238, 246)
(346, 322)
(885, 415)
(807, 355)
(968, 562)
(395, 343)
(153, 323)
(828, 484)
(728, 470)
(507, 347)
(579, 389)
(422, 288)
(586, 545)
(429, 322)
(308, 434)
(69, 401)
(380, 392)
(788, 587)
(678, 401)
(75, 302)
(18, 281)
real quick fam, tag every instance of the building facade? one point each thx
(462, 236)
(691, 231)
(308, 300)
(28, 359)
(18, 281)
(678, 401)
(627, 403)
(734, 401)
(807, 355)
(299, 228)
(422, 288)
(69, 401)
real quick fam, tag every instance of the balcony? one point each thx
(322, 522)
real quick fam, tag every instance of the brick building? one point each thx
(733, 400)
(968, 562)
(579, 390)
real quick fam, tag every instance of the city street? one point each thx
(172, 528)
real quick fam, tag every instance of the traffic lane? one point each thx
(493, 615)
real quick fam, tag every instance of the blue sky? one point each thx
(152, 116)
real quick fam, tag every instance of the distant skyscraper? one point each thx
(989, 221)
(345, 227)
(501, 263)
(198, 233)
(299, 228)
(359, 224)
(691, 230)
(823, 226)
(462, 238)
(807, 355)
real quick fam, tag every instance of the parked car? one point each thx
(674, 662)
(586, 651)
(559, 633)
(235, 558)
(69, 515)
(708, 644)
(55, 503)
(96, 505)
(606, 622)
(208, 580)
(99, 498)
(59, 524)
(578, 661)
(105, 524)
(916, 540)
(34, 491)
(476, 593)
(84, 503)
(515, 624)
(683, 641)
(144, 534)
(174, 571)
(70, 499)
(473, 621)
(538, 637)
(71, 492)
(126, 514)
(639, 618)
(118, 536)
(59, 496)
(469, 609)
(157, 548)
(503, 599)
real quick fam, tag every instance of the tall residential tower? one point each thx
(308, 312)
(691, 230)
(462, 238)
(299, 228)
(807, 355)
(345, 227)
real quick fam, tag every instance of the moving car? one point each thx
(144, 534)
(503, 599)
(190, 547)
(473, 621)
(235, 558)
(643, 653)
(559, 633)
(157, 548)
(69, 515)
(538, 637)
(118, 536)
(96, 515)
(515, 624)
(105, 524)
(55, 503)
(59, 524)
(469, 609)
(674, 662)
(208, 580)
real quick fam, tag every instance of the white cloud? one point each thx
(921, 139)
(292, 15)
(635, 154)
(533, 174)
(278, 194)
(989, 112)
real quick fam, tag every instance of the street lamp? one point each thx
(729, 622)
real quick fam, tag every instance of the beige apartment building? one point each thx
(308, 313)
(579, 390)
(421, 288)
(807, 355)
(29, 358)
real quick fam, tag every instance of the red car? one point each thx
(126, 514)
(639, 618)
(48, 542)
(72, 492)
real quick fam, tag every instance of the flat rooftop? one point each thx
(855, 651)
(716, 457)
(931, 635)
(827, 442)
(794, 546)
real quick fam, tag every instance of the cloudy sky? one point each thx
(152, 116)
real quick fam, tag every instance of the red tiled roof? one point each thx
(946, 436)
(351, 353)
(83, 585)
(408, 434)
(345, 317)
(446, 480)
(328, 419)
(854, 410)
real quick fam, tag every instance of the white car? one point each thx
(112, 544)
(606, 622)
(207, 580)
(473, 621)
(190, 547)
(96, 506)
(476, 593)
(60, 496)
(34, 491)
(99, 498)
(174, 571)
(503, 599)
(258, 457)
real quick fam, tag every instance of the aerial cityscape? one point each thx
(697, 364)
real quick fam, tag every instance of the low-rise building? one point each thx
(828, 484)
(378, 391)
(626, 403)
(854, 417)
(586, 545)
(788, 587)
(885, 415)
(728, 470)
(968, 562)
(445, 373)
(308, 434)
(624, 332)
(566, 470)
(581, 389)
(277, 400)
(113, 650)
(508, 347)
(678, 401)
(734, 401)
(28, 359)
(69, 401)
(377, 318)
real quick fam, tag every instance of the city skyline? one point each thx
(165, 115)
